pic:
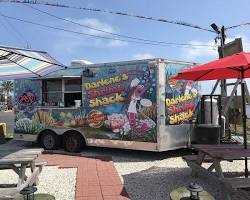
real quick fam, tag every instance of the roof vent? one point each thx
(77, 63)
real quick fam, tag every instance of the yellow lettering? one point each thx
(106, 82)
(119, 97)
(87, 86)
(172, 120)
(117, 79)
(92, 103)
(180, 99)
(106, 100)
(124, 77)
(184, 116)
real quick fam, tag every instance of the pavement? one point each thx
(96, 179)
(96, 176)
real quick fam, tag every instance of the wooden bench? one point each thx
(10, 193)
(38, 163)
(193, 158)
(207, 158)
(198, 170)
(236, 183)
(229, 185)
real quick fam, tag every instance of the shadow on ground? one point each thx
(158, 182)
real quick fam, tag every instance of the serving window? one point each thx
(61, 92)
(73, 91)
(52, 92)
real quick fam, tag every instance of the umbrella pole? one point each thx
(244, 119)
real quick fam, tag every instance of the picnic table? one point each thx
(19, 161)
(214, 154)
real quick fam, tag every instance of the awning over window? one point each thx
(18, 63)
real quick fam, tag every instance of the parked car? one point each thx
(3, 106)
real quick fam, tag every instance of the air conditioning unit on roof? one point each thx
(77, 63)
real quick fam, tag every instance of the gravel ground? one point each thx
(152, 176)
(58, 182)
(53, 180)
(146, 175)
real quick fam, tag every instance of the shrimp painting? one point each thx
(139, 126)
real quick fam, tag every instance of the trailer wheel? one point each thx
(50, 140)
(73, 142)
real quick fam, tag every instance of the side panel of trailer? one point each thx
(27, 98)
(118, 110)
(180, 107)
(120, 103)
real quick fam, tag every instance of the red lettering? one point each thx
(174, 110)
(96, 93)
(27, 98)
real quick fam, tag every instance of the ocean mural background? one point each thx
(119, 103)
(181, 97)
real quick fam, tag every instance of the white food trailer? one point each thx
(131, 105)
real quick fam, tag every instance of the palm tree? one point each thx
(7, 87)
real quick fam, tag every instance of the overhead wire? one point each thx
(238, 25)
(111, 33)
(97, 36)
(15, 31)
(163, 20)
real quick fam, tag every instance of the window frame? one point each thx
(63, 91)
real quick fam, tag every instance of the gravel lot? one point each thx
(146, 175)
(57, 182)
(152, 176)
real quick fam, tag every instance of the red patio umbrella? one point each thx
(235, 66)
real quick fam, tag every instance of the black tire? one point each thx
(49, 140)
(2, 138)
(73, 142)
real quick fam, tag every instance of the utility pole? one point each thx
(222, 43)
(222, 37)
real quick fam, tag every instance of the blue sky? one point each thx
(66, 46)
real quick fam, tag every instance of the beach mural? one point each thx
(181, 97)
(120, 103)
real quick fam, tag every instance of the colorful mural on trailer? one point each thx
(27, 98)
(27, 95)
(31, 118)
(120, 103)
(181, 97)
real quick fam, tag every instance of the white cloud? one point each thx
(195, 52)
(93, 23)
(209, 53)
(143, 56)
(71, 42)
